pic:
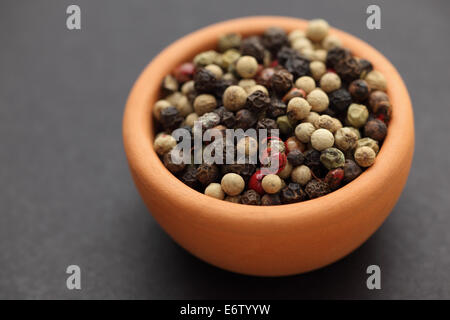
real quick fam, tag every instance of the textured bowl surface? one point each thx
(256, 240)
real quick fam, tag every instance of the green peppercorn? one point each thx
(229, 41)
(332, 158)
(284, 125)
(368, 142)
(357, 115)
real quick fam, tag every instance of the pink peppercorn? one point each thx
(184, 72)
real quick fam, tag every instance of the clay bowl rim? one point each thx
(149, 170)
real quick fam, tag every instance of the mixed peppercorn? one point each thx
(330, 108)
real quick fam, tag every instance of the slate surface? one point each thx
(66, 194)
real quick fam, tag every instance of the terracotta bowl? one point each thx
(257, 240)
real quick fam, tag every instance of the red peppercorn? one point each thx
(334, 178)
(294, 92)
(184, 72)
(255, 182)
(269, 157)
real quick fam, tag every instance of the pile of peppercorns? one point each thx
(330, 108)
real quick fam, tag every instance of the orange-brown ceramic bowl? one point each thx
(257, 240)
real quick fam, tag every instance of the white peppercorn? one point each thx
(303, 131)
(301, 44)
(318, 100)
(232, 184)
(164, 143)
(190, 119)
(301, 175)
(159, 105)
(215, 190)
(215, 69)
(365, 156)
(331, 41)
(234, 98)
(247, 84)
(330, 81)
(305, 83)
(271, 183)
(320, 55)
(296, 34)
(345, 139)
(322, 139)
(326, 122)
(204, 103)
(286, 172)
(376, 80)
(246, 67)
(318, 69)
(256, 88)
(317, 29)
(312, 118)
(298, 109)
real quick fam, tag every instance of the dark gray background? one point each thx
(66, 194)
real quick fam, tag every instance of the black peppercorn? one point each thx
(351, 170)
(375, 129)
(189, 177)
(282, 81)
(277, 108)
(284, 54)
(265, 76)
(251, 197)
(266, 123)
(207, 173)
(169, 84)
(365, 66)
(312, 160)
(220, 86)
(245, 170)
(258, 101)
(170, 118)
(296, 158)
(316, 188)
(298, 66)
(270, 200)
(274, 38)
(359, 90)
(292, 193)
(335, 55)
(252, 46)
(204, 81)
(380, 105)
(170, 164)
(348, 69)
(340, 100)
(245, 119)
